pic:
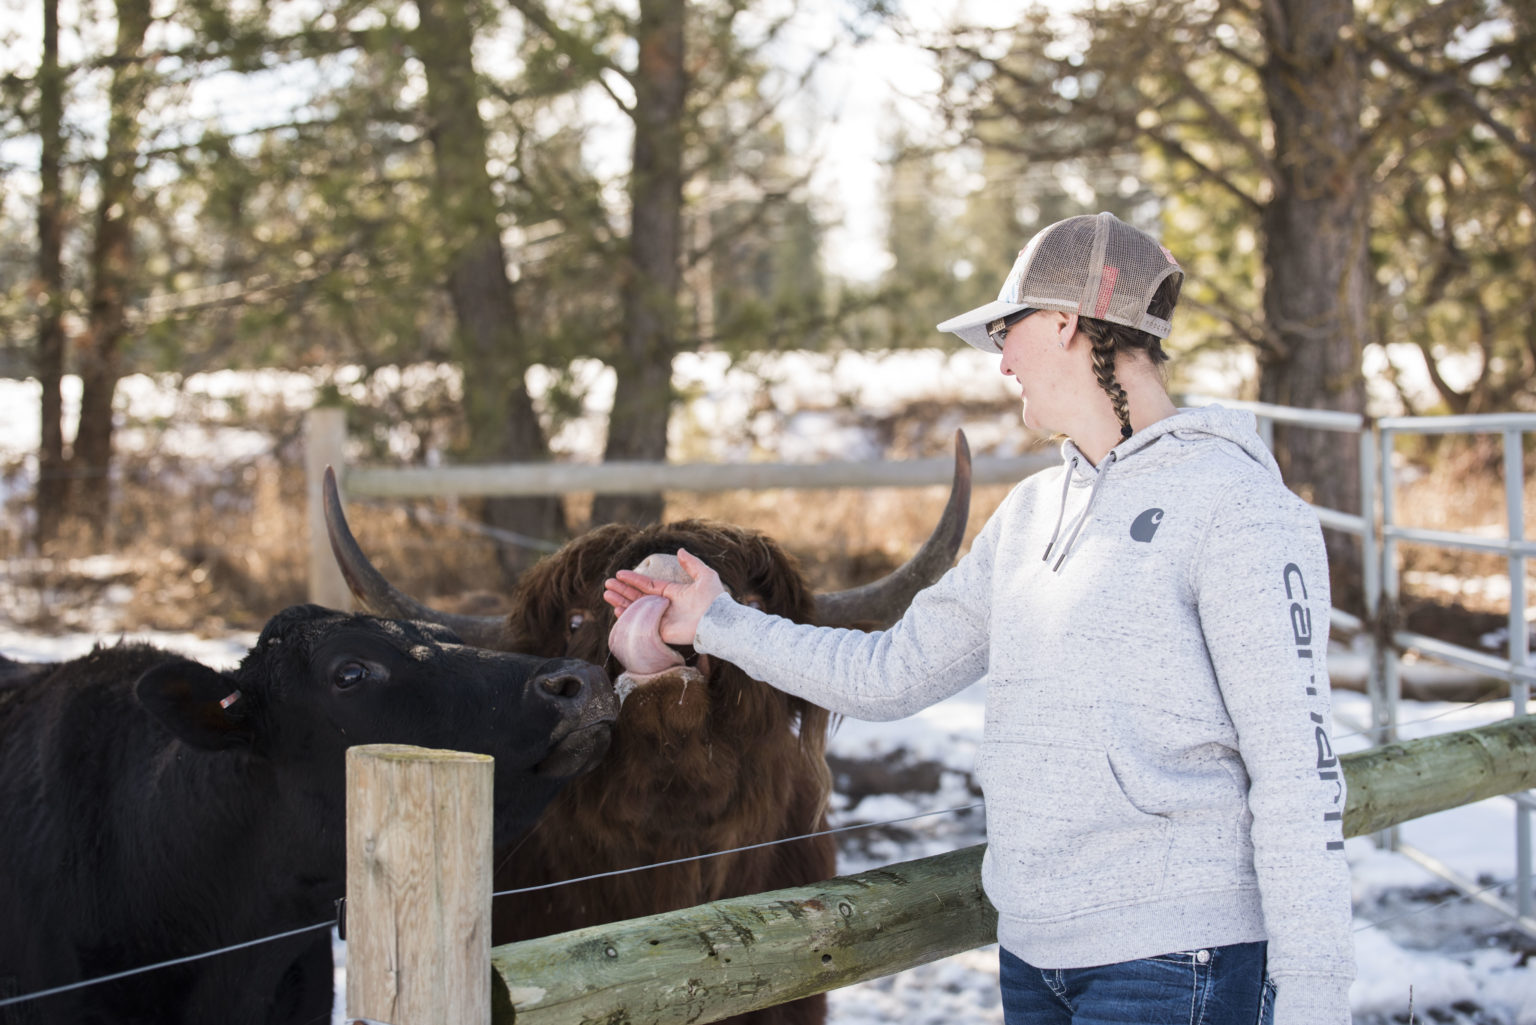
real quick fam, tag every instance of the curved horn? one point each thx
(382, 598)
(882, 602)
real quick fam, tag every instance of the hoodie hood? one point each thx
(1147, 450)
(1192, 424)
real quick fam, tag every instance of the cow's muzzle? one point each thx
(585, 697)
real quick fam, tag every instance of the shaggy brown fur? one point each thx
(691, 770)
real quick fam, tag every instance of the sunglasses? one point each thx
(998, 329)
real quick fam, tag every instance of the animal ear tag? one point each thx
(197, 704)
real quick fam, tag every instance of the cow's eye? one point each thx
(349, 674)
(577, 621)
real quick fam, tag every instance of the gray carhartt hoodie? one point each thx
(1157, 762)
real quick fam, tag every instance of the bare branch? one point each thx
(726, 143)
(575, 47)
(1223, 127)
(1446, 84)
(1236, 56)
(755, 218)
(1253, 330)
(1177, 149)
(1456, 401)
(1395, 374)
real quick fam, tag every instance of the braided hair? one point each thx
(1109, 340)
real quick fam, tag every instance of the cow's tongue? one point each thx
(635, 639)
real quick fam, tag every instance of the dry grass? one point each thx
(1458, 486)
(210, 553)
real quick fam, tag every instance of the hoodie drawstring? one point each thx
(1077, 527)
(1066, 485)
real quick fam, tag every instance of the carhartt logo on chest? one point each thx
(1145, 525)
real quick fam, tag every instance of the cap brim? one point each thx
(971, 327)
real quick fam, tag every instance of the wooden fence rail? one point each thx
(327, 442)
(326, 445)
(732, 956)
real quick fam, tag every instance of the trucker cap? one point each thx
(1094, 265)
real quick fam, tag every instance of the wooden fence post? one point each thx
(418, 914)
(324, 445)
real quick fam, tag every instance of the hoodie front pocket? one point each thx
(1062, 837)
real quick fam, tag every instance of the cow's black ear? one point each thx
(199, 705)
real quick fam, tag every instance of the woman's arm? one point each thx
(1263, 596)
(937, 648)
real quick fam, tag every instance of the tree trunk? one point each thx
(1316, 260)
(52, 476)
(503, 425)
(112, 272)
(642, 403)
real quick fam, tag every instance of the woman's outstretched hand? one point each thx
(687, 600)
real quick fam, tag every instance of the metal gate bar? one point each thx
(1515, 669)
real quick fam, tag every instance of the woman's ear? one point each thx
(1068, 330)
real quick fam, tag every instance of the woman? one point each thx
(1164, 809)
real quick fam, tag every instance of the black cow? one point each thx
(153, 808)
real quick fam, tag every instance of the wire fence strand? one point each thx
(1368, 731)
(57, 990)
(1437, 905)
(735, 850)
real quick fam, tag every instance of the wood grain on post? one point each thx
(418, 885)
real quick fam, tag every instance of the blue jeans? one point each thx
(1215, 986)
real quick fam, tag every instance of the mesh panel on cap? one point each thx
(1095, 266)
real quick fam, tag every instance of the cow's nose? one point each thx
(562, 685)
(571, 682)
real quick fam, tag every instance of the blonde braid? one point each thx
(1109, 339)
(1104, 370)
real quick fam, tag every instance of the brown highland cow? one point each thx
(704, 758)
